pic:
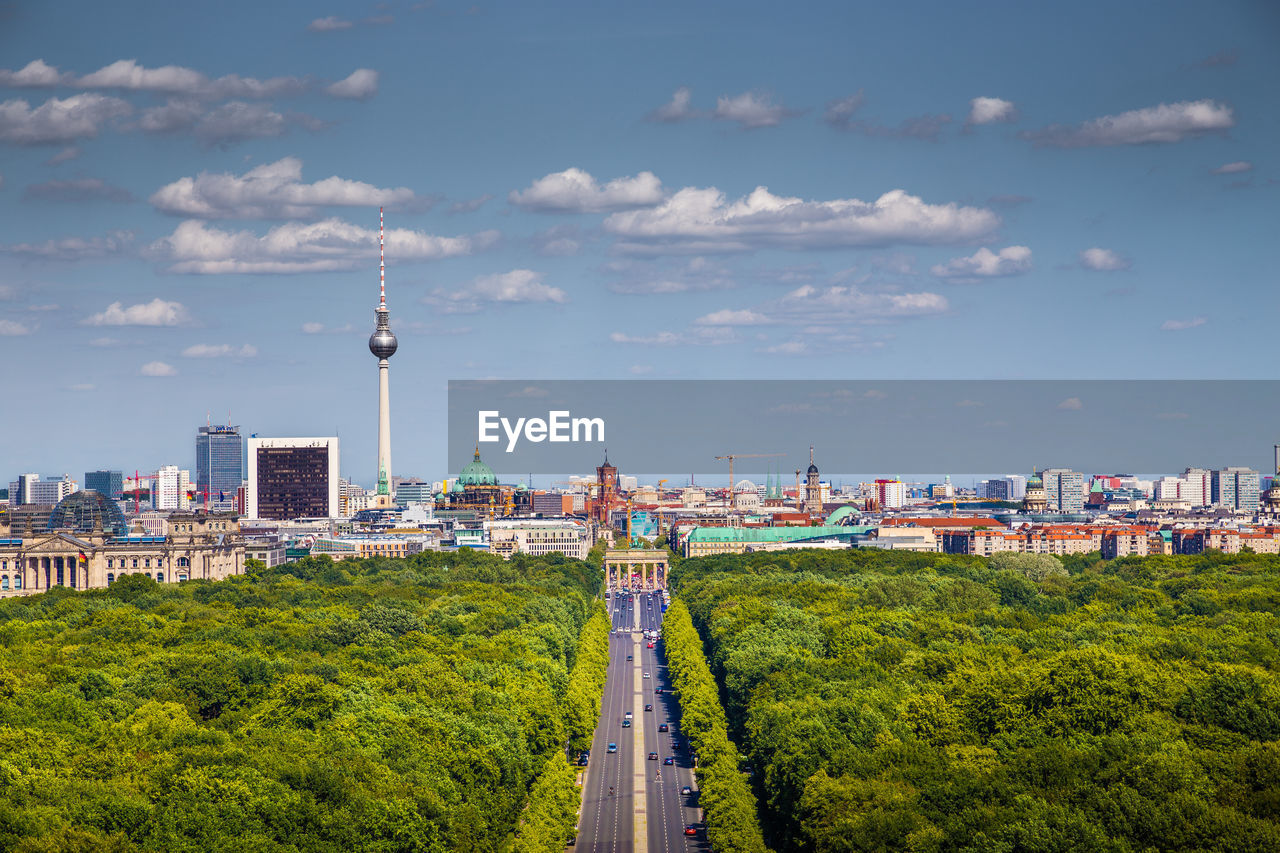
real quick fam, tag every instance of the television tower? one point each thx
(382, 343)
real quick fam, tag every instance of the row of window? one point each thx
(4, 582)
(123, 562)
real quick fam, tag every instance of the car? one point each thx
(613, 747)
(653, 756)
(659, 691)
(664, 728)
(583, 758)
(626, 724)
(646, 675)
(687, 791)
(648, 707)
(668, 760)
(691, 829)
(651, 645)
(628, 657)
(628, 715)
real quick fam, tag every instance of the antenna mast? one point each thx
(382, 264)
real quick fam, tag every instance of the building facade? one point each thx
(1236, 488)
(219, 466)
(293, 478)
(1063, 490)
(199, 546)
(109, 483)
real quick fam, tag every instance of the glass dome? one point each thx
(86, 511)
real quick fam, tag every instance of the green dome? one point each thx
(457, 487)
(476, 473)
(1034, 480)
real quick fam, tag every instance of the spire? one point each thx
(811, 454)
(382, 265)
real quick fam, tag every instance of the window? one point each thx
(17, 581)
(111, 578)
(146, 562)
(160, 577)
(4, 581)
(135, 562)
(109, 563)
(182, 576)
(184, 563)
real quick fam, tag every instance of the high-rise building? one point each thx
(891, 494)
(219, 466)
(109, 483)
(170, 488)
(1063, 490)
(1198, 486)
(20, 489)
(293, 478)
(383, 344)
(1236, 488)
(413, 490)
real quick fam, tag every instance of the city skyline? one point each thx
(1020, 193)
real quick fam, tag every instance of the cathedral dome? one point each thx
(476, 473)
(813, 469)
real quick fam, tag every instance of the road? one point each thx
(645, 814)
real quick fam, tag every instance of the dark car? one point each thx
(628, 657)
(687, 791)
(648, 707)
(659, 691)
(668, 760)
(691, 829)
(583, 758)
(653, 756)
(664, 728)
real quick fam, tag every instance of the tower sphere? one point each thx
(382, 342)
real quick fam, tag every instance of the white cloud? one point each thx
(677, 109)
(733, 317)
(177, 115)
(12, 328)
(1233, 168)
(77, 190)
(751, 110)
(851, 304)
(35, 74)
(220, 351)
(514, 286)
(699, 336)
(58, 120)
(1103, 260)
(985, 263)
(76, 248)
(1181, 325)
(127, 75)
(358, 85)
(233, 121)
(1071, 404)
(329, 24)
(576, 191)
(991, 110)
(271, 191)
(702, 220)
(1159, 124)
(294, 247)
(322, 329)
(157, 312)
(157, 368)
(696, 274)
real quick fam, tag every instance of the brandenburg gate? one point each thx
(635, 570)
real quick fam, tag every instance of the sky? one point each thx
(189, 197)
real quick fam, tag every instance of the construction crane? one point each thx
(733, 456)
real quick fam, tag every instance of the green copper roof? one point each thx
(476, 473)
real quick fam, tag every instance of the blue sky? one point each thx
(582, 190)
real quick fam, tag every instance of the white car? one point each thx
(646, 675)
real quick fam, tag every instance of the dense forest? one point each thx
(367, 705)
(922, 702)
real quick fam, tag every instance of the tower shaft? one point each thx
(383, 344)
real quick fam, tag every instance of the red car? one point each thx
(651, 645)
(691, 829)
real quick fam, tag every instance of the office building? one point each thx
(1063, 490)
(1198, 487)
(20, 489)
(109, 483)
(292, 478)
(170, 488)
(219, 466)
(1236, 488)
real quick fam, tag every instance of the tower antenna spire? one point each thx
(382, 264)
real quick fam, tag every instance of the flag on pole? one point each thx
(83, 558)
